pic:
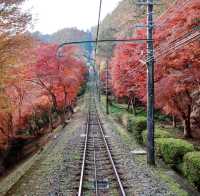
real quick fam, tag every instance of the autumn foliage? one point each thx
(44, 87)
(177, 54)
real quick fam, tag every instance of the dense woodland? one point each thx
(38, 89)
(177, 58)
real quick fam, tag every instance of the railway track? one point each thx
(99, 174)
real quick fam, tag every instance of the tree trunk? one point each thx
(187, 128)
(54, 102)
(187, 124)
(133, 103)
(3, 132)
(174, 121)
(62, 116)
(50, 121)
(70, 111)
(65, 105)
(65, 102)
(128, 105)
(10, 125)
(20, 115)
(37, 128)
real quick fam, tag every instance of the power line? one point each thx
(176, 45)
(183, 40)
(99, 41)
(170, 48)
(98, 26)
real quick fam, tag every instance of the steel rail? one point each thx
(95, 169)
(121, 188)
(84, 156)
(110, 157)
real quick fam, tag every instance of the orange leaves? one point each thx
(177, 70)
(58, 77)
(126, 70)
(35, 86)
(12, 43)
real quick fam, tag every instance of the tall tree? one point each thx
(177, 57)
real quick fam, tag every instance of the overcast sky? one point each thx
(51, 15)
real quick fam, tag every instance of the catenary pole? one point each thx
(107, 101)
(96, 47)
(150, 85)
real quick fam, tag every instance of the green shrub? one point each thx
(191, 167)
(159, 133)
(172, 150)
(136, 125)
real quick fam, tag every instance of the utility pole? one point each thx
(97, 37)
(150, 85)
(99, 84)
(107, 101)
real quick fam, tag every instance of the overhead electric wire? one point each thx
(169, 49)
(176, 45)
(172, 45)
(98, 26)
(99, 41)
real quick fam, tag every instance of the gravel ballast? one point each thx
(56, 170)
